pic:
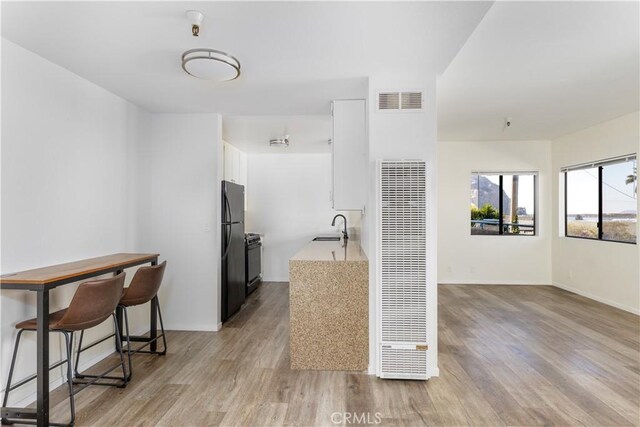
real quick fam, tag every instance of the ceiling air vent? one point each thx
(400, 101)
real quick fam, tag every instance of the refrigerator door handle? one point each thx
(227, 207)
(226, 251)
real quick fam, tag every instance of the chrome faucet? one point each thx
(344, 233)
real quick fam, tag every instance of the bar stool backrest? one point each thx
(144, 285)
(93, 302)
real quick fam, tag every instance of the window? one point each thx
(503, 204)
(601, 200)
(582, 203)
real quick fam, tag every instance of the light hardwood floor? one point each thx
(509, 355)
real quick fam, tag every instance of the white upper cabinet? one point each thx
(235, 165)
(349, 154)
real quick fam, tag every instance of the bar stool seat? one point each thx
(130, 298)
(32, 324)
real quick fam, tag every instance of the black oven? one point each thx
(253, 260)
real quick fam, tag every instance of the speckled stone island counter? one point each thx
(329, 298)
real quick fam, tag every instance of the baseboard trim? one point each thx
(494, 282)
(200, 327)
(279, 279)
(623, 307)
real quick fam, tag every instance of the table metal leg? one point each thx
(42, 340)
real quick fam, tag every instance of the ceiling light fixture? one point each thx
(280, 142)
(205, 63)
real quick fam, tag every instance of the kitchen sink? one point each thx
(327, 239)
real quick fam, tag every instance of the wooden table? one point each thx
(41, 281)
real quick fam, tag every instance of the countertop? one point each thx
(329, 307)
(331, 251)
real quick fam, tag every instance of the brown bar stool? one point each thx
(93, 302)
(143, 289)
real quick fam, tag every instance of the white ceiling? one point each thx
(553, 67)
(295, 56)
(308, 134)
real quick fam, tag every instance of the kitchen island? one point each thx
(329, 302)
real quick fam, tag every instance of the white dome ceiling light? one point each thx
(205, 63)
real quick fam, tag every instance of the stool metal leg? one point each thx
(94, 378)
(68, 336)
(126, 326)
(146, 340)
(13, 365)
(164, 338)
(69, 350)
(119, 339)
(149, 340)
(75, 372)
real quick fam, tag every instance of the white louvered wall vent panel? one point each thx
(403, 362)
(402, 269)
(400, 101)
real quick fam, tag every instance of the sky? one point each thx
(525, 189)
(582, 190)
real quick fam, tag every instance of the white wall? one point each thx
(463, 258)
(67, 172)
(289, 204)
(394, 136)
(86, 173)
(178, 214)
(605, 271)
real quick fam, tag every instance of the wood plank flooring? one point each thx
(509, 355)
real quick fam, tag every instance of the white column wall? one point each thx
(86, 173)
(411, 136)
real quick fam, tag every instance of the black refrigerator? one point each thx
(233, 249)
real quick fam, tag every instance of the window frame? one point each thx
(600, 165)
(500, 202)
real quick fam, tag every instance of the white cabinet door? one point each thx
(242, 168)
(243, 177)
(228, 162)
(349, 154)
(235, 167)
(234, 163)
(235, 159)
